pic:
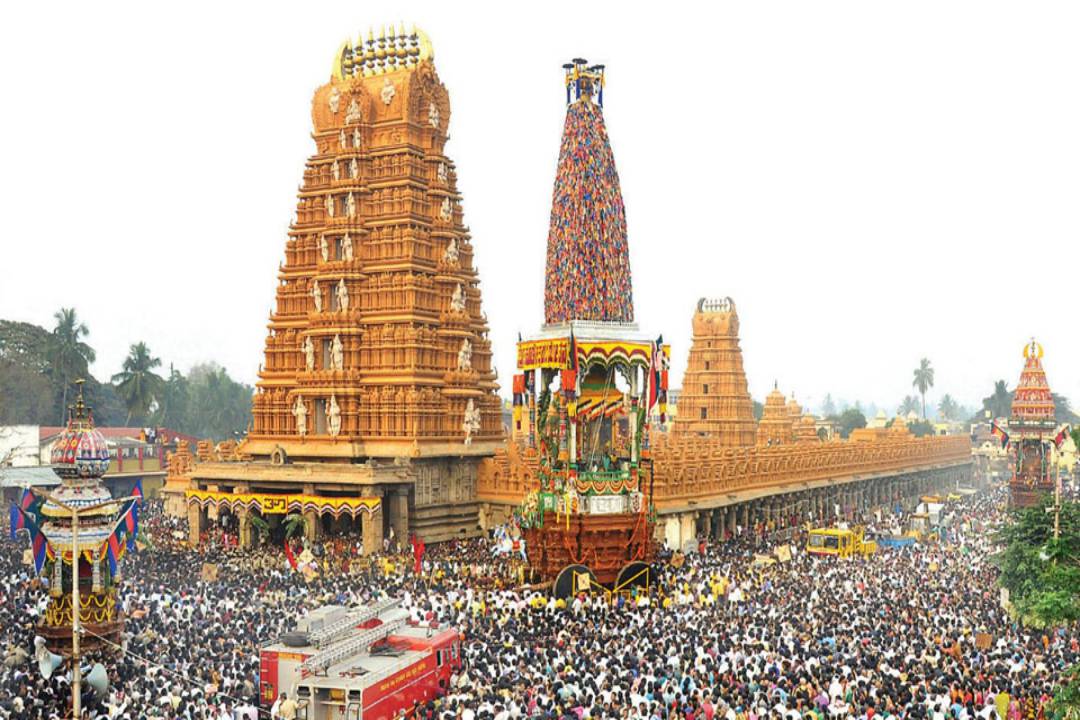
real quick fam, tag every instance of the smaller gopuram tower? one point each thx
(775, 427)
(1031, 432)
(715, 400)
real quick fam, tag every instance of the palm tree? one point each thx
(1000, 403)
(910, 404)
(924, 380)
(295, 524)
(70, 357)
(947, 407)
(137, 384)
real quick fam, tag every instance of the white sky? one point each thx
(871, 182)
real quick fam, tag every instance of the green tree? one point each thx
(923, 381)
(173, 404)
(909, 404)
(1063, 412)
(137, 383)
(948, 407)
(1042, 575)
(70, 357)
(828, 407)
(920, 428)
(999, 403)
(849, 420)
(219, 407)
(759, 409)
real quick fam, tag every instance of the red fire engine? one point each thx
(362, 663)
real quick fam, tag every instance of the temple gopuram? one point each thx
(715, 400)
(377, 398)
(1032, 426)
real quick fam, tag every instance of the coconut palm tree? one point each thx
(910, 404)
(69, 356)
(1000, 403)
(137, 384)
(924, 380)
(295, 524)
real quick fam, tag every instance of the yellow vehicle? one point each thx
(841, 543)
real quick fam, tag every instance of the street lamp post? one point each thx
(76, 621)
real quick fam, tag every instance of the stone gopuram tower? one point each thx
(715, 399)
(377, 353)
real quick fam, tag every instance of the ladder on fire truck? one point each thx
(335, 631)
(354, 645)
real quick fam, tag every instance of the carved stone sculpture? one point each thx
(334, 100)
(388, 92)
(457, 300)
(350, 205)
(309, 354)
(445, 210)
(346, 247)
(330, 205)
(299, 412)
(451, 254)
(316, 295)
(333, 416)
(352, 115)
(433, 115)
(471, 424)
(324, 248)
(464, 356)
(337, 353)
(342, 296)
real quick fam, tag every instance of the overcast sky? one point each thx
(871, 182)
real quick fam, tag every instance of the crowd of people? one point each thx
(910, 633)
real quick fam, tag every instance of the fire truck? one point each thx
(364, 663)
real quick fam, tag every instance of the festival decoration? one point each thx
(588, 262)
(1031, 430)
(106, 531)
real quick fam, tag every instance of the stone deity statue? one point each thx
(388, 91)
(442, 172)
(354, 169)
(464, 356)
(451, 254)
(350, 205)
(342, 296)
(471, 423)
(356, 137)
(333, 416)
(335, 100)
(433, 115)
(346, 247)
(330, 205)
(299, 412)
(337, 353)
(342, 140)
(445, 210)
(335, 171)
(316, 295)
(309, 354)
(457, 300)
(324, 248)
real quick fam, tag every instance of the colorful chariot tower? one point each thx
(1031, 436)
(590, 378)
(79, 533)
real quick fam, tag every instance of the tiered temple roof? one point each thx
(806, 430)
(377, 343)
(775, 426)
(1033, 403)
(715, 399)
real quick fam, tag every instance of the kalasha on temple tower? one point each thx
(378, 388)
(591, 518)
(84, 547)
(1031, 434)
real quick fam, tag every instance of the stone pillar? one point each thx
(671, 532)
(398, 507)
(372, 531)
(721, 530)
(312, 524)
(195, 524)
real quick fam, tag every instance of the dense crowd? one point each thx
(913, 633)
